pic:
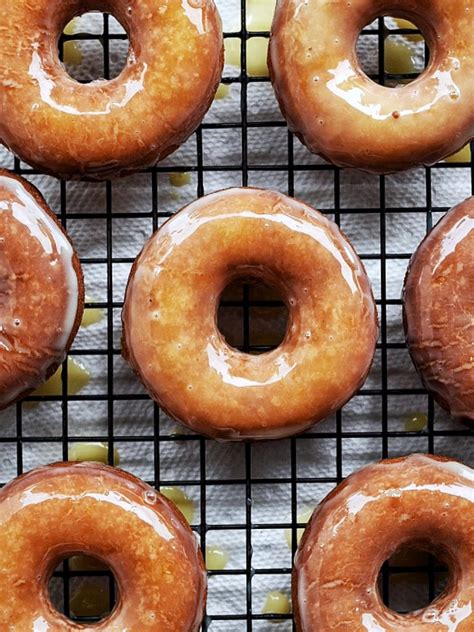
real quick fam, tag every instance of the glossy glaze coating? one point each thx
(439, 311)
(41, 290)
(172, 341)
(425, 500)
(65, 509)
(338, 112)
(106, 128)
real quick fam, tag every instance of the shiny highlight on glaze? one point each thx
(439, 311)
(41, 290)
(421, 499)
(172, 341)
(344, 116)
(66, 509)
(106, 128)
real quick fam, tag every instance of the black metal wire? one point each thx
(249, 615)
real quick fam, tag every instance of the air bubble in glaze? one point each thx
(430, 615)
(150, 497)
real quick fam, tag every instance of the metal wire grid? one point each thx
(249, 618)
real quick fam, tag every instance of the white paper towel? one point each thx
(180, 460)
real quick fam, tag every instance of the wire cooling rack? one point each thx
(229, 499)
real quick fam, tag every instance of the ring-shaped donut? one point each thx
(41, 290)
(106, 128)
(421, 500)
(172, 341)
(341, 114)
(57, 511)
(439, 311)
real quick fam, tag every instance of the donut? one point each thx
(64, 509)
(41, 290)
(172, 341)
(438, 303)
(106, 129)
(338, 112)
(421, 500)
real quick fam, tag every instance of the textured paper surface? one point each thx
(181, 460)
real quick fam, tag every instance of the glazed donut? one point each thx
(421, 500)
(106, 128)
(41, 290)
(64, 509)
(341, 114)
(439, 311)
(172, 341)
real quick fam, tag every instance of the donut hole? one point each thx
(392, 51)
(252, 315)
(412, 579)
(83, 588)
(94, 46)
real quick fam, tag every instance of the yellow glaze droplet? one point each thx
(406, 24)
(216, 558)
(77, 378)
(72, 55)
(398, 58)
(302, 518)
(177, 431)
(416, 422)
(276, 602)
(175, 494)
(86, 563)
(98, 452)
(232, 49)
(180, 179)
(463, 155)
(181, 500)
(91, 315)
(222, 91)
(257, 51)
(90, 600)
(260, 14)
(71, 26)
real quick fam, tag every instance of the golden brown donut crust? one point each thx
(65, 509)
(338, 112)
(106, 128)
(425, 500)
(172, 341)
(439, 311)
(41, 290)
